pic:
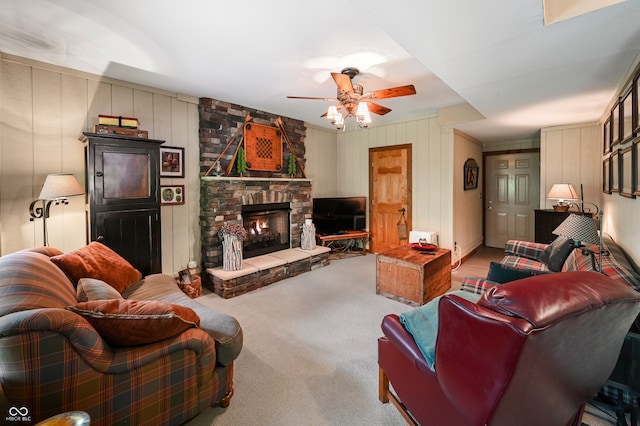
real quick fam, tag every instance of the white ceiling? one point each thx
(497, 55)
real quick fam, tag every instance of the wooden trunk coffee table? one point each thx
(413, 276)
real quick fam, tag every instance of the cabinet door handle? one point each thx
(100, 238)
(99, 174)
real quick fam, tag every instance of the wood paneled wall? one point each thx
(43, 111)
(432, 169)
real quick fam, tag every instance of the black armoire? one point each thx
(123, 179)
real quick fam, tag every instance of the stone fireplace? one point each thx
(267, 228)
(223, 199)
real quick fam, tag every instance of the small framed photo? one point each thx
(471, 170)
(171, 194)
(626, 116)
(606, 136)
(171, 161)
(615, 124)
(615, 171)
(606, 175)
(626, 172)
(635, 159)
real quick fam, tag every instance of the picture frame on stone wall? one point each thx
(171, 161)
(626, 172)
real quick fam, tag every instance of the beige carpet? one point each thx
(310, 354)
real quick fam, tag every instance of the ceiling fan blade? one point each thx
(311, 98)
(378, 109)
(343, 82)
(391, 93)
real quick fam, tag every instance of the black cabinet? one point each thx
(123, 179)
(547, 221)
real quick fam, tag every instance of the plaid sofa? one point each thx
(526, 255)
(52, 360)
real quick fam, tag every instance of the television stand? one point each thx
(332, 241)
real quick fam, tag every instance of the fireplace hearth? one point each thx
(268, 228)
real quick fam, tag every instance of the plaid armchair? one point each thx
(53, 360)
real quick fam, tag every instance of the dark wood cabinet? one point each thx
(547, 221)
(123, 179)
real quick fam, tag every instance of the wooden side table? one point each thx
(328, 240)
(413, 276)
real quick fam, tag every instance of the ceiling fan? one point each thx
(354, 101)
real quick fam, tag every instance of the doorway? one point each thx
(512, 195)
(389, 194)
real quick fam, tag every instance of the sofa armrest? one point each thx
(93, 349)
(477, 285)
(527, 249)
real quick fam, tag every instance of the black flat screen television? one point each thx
(332, 216)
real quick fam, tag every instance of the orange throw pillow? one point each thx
(100, 262)
(124, 322)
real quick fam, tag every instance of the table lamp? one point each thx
(582, 229)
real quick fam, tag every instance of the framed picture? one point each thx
(626, 172)
(635, 158)
(606, 136)
(171, 194)
(171, 161)
(615, 171)
(636, 104)
(626, 116)
(471, 170)
(606, 175)
(615, 124)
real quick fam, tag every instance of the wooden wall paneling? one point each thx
(192, 161)
(99, 102)
(591, 161)
(320, 146)
(18, 185)
(73, 123)
(162, 118)
(122, 100)
(143, 110)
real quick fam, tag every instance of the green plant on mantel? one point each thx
(242, 162)
(292, 169)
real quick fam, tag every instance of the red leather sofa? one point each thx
(529, 352)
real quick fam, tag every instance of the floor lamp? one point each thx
(56, 189)
(583, 229)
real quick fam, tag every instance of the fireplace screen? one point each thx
(267, 228)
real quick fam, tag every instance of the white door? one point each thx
(513, 193)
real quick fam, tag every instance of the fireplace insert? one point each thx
(268, 228)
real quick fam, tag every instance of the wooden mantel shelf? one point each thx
(249, 178)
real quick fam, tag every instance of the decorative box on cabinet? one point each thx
(123, 179)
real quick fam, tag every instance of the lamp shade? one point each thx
(579, 228)
(60, 186)
(562, 191)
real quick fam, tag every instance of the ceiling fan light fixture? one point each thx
(336, 119)
(362, 115)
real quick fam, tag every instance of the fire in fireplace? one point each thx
(267, 228)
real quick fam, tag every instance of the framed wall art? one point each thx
(606, 175)
(606, 136)
(626, 172)
(171, 194)
(636, 104)
(636, 166)
(626, 116)
(615, 124)
(471, 170)
(615, 171)
(171, 161)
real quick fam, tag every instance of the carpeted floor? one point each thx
(310, 351)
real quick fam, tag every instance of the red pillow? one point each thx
(100, 262)
(124, 322)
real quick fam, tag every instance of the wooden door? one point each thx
(513, 194)
(389, 193)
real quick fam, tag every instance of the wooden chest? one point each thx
(413, 276)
